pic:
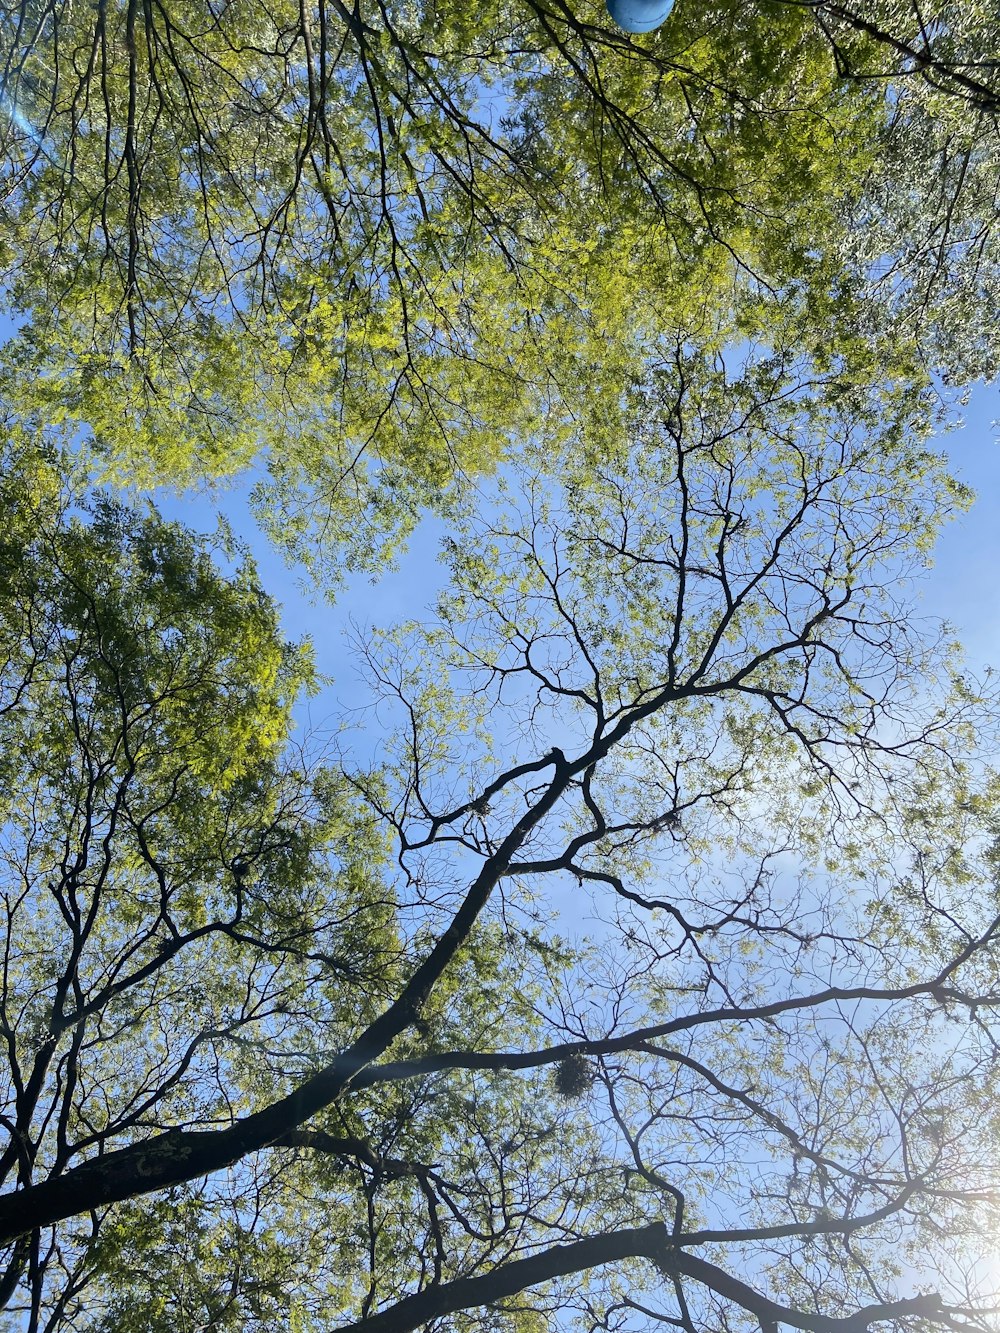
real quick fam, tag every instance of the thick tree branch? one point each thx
(650, 1242)
(769, 1312)
(467, 1293)
(181, 1155)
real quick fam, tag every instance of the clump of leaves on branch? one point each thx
(287, 1041)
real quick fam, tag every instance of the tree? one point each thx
(949, 51)
(377, 249)
(927, 227)
(306, 1045)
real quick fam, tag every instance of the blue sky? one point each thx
(962, 586)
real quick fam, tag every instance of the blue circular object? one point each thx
(639, 15)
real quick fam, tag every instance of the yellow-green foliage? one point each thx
(472, 240)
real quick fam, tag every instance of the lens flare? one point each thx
(17, 117)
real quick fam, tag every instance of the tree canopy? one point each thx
(374, 250)
(631, 960)
(306, 1042)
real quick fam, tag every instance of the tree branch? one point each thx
(468, 1292)
(649, 1242)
